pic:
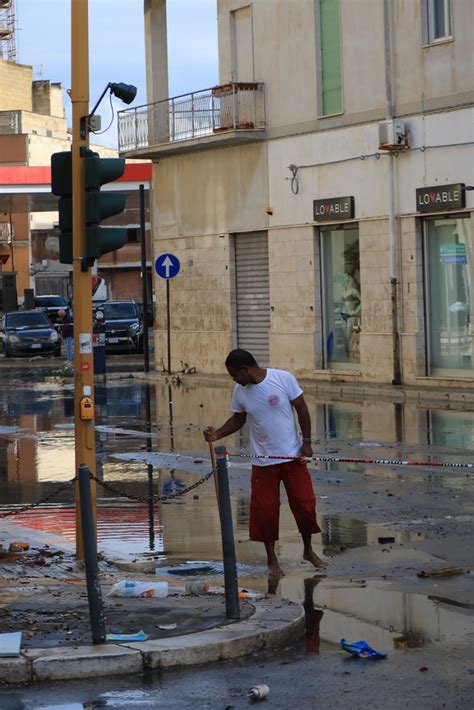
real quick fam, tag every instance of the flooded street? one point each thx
(381, 524)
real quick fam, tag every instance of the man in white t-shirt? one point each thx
(266, 398)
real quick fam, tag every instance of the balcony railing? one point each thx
(230, 107)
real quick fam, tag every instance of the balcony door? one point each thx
(242, 44)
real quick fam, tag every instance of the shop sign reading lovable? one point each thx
(333, 208)
(440, 198)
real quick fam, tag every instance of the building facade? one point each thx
(319, 199)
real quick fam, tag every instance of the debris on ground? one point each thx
(139, 636)
(132, 588)
(442, 572)
(10, 644)
(361, 649)
(258, 692)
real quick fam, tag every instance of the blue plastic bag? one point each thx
(361, 649)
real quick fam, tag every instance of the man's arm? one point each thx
(233, 424)
(305, 424)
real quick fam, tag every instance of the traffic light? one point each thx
(100, 205)
(61, 185)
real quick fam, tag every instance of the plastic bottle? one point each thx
(196, 588)
(131, 588)
(258, 692)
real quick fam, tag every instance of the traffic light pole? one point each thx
(82, 284)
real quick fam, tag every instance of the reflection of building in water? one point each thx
(194, 407)
(242, 513)
(451, 429)
(338, 530)
(22, 453)
(30, 457)
(191, 527)
(379, 614)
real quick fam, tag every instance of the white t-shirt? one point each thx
(270, 415)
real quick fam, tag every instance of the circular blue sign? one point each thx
(167, 266)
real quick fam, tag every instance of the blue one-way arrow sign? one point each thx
(167, 266)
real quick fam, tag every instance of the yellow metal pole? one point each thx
(82, 283)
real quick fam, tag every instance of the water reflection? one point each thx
(136, 419)
(133, 417)
(375, 611)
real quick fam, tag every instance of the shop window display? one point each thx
(341, 296)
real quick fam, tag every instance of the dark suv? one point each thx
(123, 326)
(51, 305)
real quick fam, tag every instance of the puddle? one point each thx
(385, 617)
(169, 454)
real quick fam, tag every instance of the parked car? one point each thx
(51, 305)
(123, 326)
(28, 333)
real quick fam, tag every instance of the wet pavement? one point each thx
(43, 593)
(382, 525)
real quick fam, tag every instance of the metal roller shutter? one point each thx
(253, 294)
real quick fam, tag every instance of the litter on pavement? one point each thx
(131, 588)
(139, 636)
(361, 649)
(10, 644)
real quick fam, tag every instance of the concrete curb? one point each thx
(271, 626)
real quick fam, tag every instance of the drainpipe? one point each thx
(392, 233)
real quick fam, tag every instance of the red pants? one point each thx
(265, 499)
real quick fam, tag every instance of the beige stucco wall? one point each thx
(15, 86)
(295, 329)
(286, 57)
(376, 345)
(200, 297)
(209, 192)
(425, 74)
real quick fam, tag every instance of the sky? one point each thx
(116, 48)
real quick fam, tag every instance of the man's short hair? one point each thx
(238, 359)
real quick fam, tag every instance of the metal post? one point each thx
(94, 594)
(82, 286)
(228, 547)
(146, 349)
(168, 323)
(149, 446)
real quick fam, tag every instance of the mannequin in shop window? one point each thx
(350, 314)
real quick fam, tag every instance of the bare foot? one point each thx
(275, 570)
(316, 561)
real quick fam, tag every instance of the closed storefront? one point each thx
(252, 294)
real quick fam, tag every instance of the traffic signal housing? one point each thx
(61, 185)
(100, 205)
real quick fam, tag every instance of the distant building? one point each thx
(319, 198)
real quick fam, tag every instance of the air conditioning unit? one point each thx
(393, 135)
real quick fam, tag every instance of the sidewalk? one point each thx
(43, 594)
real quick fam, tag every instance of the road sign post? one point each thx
(167, 266)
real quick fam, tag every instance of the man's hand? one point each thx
(306, 449)
(210, 434)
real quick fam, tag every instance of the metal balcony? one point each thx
(230, 114)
